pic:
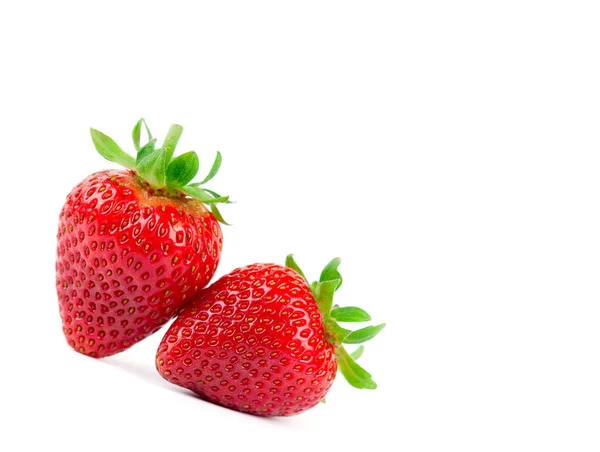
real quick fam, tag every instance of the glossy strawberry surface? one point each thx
(127, 260)
(253, 341)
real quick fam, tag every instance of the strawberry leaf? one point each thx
(291, 263)
(171, 141)
(215, 211)
(331, 272)
(313, 287)
(323, 292)
(110, 150)
(358, 352)
(338, 333)
(350, 314)
(201, 195)
(152, 168)
(145, 151)
(352, 372)
(136, 133)
(182, 169)
(324, 295)
(364, 334)
(214, 169)
(207, 198)
(157, 167)
(216, 195)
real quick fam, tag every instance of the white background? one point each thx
(447, 151)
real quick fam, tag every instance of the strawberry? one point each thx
(263, 341)
(134, 245)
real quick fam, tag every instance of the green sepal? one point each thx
(137, 131)
(201, 195)
(217, 214)
(331, 271)
(152, 168)
(171, 141)
(323, 292)
(313, 287)
(352, 372)
(182, 169)
(358, 352)
(291, 263)
(216, 195)
(324, 295)
(145, 151)
(338, 333)
(110, 150)
(214, 169)
(364, 334)
(350, 314)
(157, 168)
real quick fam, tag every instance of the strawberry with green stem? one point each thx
(323, 291)
(263, 340)
(134, 245)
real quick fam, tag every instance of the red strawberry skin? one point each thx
(253, 341)
(127, 261)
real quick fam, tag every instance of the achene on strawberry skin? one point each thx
(263, 341)
(134, 245)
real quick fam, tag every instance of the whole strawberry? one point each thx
(134, 245)
(261, 340)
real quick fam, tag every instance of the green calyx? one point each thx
(323, 290)
(158, 170)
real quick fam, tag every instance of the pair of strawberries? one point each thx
(139, 246)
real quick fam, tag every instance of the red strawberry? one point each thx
(261, 340)
(135, 245)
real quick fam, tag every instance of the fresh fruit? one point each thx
(264, 341)
(134, 245)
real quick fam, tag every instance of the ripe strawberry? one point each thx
(134, 245)
(261, 340)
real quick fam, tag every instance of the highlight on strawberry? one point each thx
(135, 245)
(264, 340)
